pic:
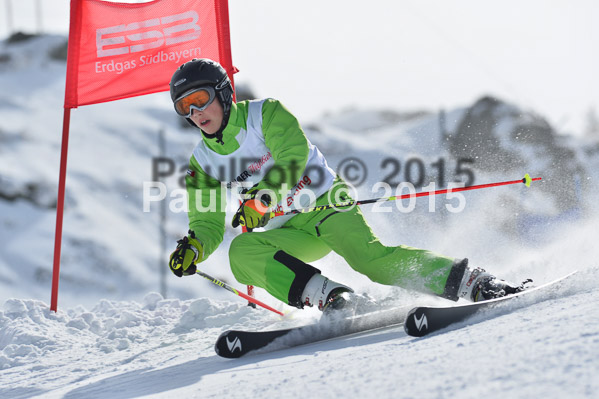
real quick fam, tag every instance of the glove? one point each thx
(189, 252)
(253, 212)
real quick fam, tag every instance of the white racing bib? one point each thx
(247, 166)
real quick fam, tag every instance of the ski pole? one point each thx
(233, 290)
(526, 180)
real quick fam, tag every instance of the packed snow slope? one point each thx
(115, 336)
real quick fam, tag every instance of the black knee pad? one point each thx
(452, 286)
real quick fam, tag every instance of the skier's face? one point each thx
(210, 119)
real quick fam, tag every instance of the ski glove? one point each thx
(253, 212)
(189, 252)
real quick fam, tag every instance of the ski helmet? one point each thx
(204, 72)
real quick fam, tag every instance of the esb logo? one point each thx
(149, 34)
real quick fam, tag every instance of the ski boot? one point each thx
(479, 285)
(339, 299)
(325, 293)
(335, 299)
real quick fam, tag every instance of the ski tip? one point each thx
(527, 180)
(228, 345)
(416, 325)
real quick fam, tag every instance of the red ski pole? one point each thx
(241, 294)
(526, 180)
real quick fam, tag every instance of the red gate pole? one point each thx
(60, 207)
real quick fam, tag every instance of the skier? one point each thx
(280, 168)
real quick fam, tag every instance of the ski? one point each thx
(236, 343)
(424, 320)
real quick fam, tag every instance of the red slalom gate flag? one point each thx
(120, 50)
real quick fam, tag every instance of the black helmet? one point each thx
(204, 72)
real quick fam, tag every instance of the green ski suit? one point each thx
(277, 260)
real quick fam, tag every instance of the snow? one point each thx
(163, 348)
(115, 336)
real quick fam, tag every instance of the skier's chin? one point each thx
(209, 135)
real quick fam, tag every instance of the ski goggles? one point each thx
(198, 99)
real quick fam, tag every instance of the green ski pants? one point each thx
(310, 236)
